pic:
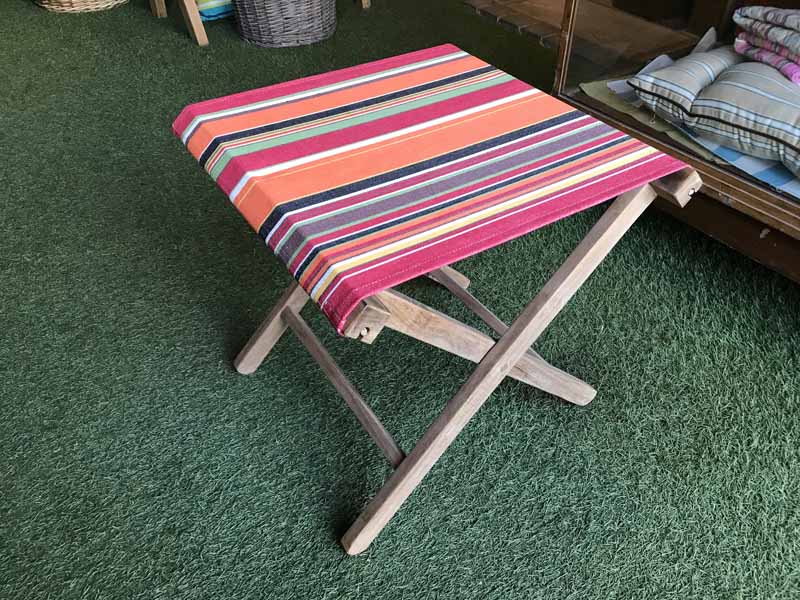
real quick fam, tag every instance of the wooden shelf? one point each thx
(598, 39)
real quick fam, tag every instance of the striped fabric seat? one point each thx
(367, 177)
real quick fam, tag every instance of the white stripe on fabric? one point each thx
(540, 192)
(442, 166)
(316, 91)
(224, 147)
(376, 140)
(478, 190)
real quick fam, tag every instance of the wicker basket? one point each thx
(78, 6)
(279, 23)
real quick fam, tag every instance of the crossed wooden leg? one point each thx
(191, 16)
(399, 312)
(510, 356)
(158, 8)
(496, 365)
(286, 314)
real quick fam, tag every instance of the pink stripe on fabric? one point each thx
(458, 165)
(348, 293)
(270, 92)
(236, 169)
(760, 42)
(433, 220)
(787, 68)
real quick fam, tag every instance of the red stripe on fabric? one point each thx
(460, 164)
(287, 88)
(237, 168)
(426, 222)
(349, 293)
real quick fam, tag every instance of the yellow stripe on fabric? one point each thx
(445, 228)
(468, 85)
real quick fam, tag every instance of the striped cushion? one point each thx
(367, 177)
(760, 42)
(751, 107)
(789, 68)
(670, 92)
(214, 9)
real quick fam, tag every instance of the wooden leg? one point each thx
(471, 302)
(158, 8)
(284, 315)
(270, 331)
(448, 276)
(496, 365)
(193, 21)
(396, 311)
(361, 409)
(540, 373)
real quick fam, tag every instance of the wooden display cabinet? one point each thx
(734, 208)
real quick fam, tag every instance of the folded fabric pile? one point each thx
(770, 36)
(214, 9)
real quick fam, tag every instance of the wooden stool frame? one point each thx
(509, 356)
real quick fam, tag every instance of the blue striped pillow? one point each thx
(753, 108)
(670, 92)
(214, 9)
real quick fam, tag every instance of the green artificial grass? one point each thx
(137, 464)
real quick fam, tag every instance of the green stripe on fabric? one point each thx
(348, 82)
(358, 119)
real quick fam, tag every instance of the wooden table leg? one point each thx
(158, 8)
(496, 365)
(556, 381)
(369, 421)
(448, 276)
(193, 21)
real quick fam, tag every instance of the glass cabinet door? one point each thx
(616, 38)
(604, 43)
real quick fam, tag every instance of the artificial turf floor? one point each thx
(137, 464)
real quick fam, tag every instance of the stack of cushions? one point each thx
(750, 107)
(670, 92)
(214, 9)
(770, 36)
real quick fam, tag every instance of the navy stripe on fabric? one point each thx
(284, 101)
(389, 176)
(464, 198)
(332, 112)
